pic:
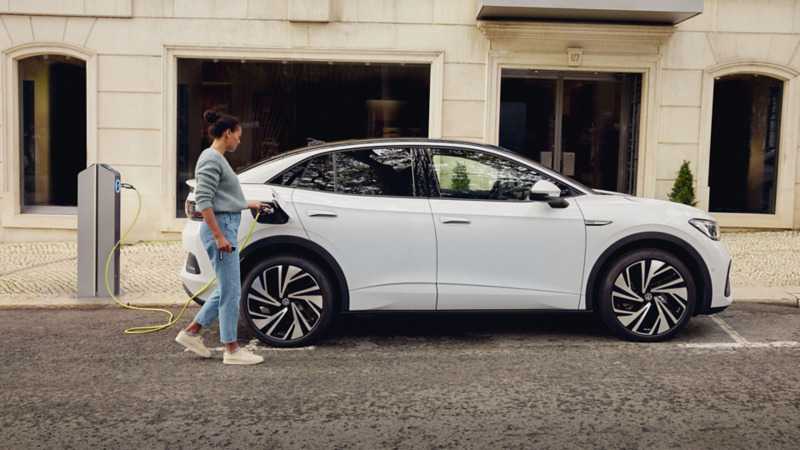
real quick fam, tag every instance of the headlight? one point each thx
(707, 227)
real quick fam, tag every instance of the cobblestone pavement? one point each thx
(43, 268)
(760, 259)
(764, 258)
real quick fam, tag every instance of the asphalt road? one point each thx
(72, 379)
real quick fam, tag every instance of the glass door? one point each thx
(583, 125)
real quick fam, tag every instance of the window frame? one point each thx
(169, 118)
(43, 217)
(786, 166)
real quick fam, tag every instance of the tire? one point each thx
(298, 317)
(646, 295)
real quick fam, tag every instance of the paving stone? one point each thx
(760, 259)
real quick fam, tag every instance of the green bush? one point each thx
(683, 189)
(460, 179)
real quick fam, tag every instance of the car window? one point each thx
(380, 171)
(290, 177)
(319, 174)
(476, 175)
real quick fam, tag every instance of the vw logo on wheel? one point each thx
(285, 302)
(648, 297)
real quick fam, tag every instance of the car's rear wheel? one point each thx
(646, 295)
(287, 301)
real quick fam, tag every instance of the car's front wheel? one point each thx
(646, 295)
(287, 301)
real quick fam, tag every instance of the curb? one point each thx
(145, 300)
(782, 296)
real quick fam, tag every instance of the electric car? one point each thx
(436, 225)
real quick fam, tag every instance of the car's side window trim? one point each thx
(421, 155)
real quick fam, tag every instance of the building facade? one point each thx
(616, 106)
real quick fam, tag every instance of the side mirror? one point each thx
(544, 190)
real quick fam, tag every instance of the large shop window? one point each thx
(745, 133)
(583, 125)
(282, 104)
(52, 115)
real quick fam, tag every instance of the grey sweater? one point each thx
(217, 184)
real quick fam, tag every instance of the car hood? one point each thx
(616, 207)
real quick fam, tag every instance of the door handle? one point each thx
(320, 213)
(454, 220)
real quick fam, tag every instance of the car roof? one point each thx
(323, 146)
(386, 142)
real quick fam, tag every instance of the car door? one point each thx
(498, 249)
(360, 205)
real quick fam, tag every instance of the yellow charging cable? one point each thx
(154, 328)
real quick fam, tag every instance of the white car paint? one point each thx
(522, 255)
(627, 216)
(253, 192)
(387, 247)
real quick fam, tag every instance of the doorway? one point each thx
(582, 125)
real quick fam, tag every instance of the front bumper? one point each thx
(718, 262)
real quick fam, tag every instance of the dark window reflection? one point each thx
(291, 176)
(319, 175)
(385, 171)
(283, 103)
(745, 132)
(583, 125)
(475, 175)
(425, 182)
(528, 117)
(53, 129)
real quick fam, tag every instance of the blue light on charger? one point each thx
(117, 186)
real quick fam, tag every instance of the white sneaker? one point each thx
(194, 344)
(241, 357)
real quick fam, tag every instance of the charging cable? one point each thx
(172, 318)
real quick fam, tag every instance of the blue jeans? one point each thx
(224, 302)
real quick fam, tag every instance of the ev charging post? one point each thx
(98, 230)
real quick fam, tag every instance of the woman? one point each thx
(219, 197)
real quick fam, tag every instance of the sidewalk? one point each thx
(766, 269)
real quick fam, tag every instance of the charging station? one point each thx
(98, 230)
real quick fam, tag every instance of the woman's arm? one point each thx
(211, 220)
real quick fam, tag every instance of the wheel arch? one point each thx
(663, 241)
(274, 245)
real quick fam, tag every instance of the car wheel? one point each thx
(287, 301)
(646, 295)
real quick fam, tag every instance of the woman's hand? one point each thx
(257, 206)
(223, 245)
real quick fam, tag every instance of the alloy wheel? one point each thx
(649, 297)
(285, 302)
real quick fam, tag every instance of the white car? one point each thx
(434, 225)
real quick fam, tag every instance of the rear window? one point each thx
(290, 177)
